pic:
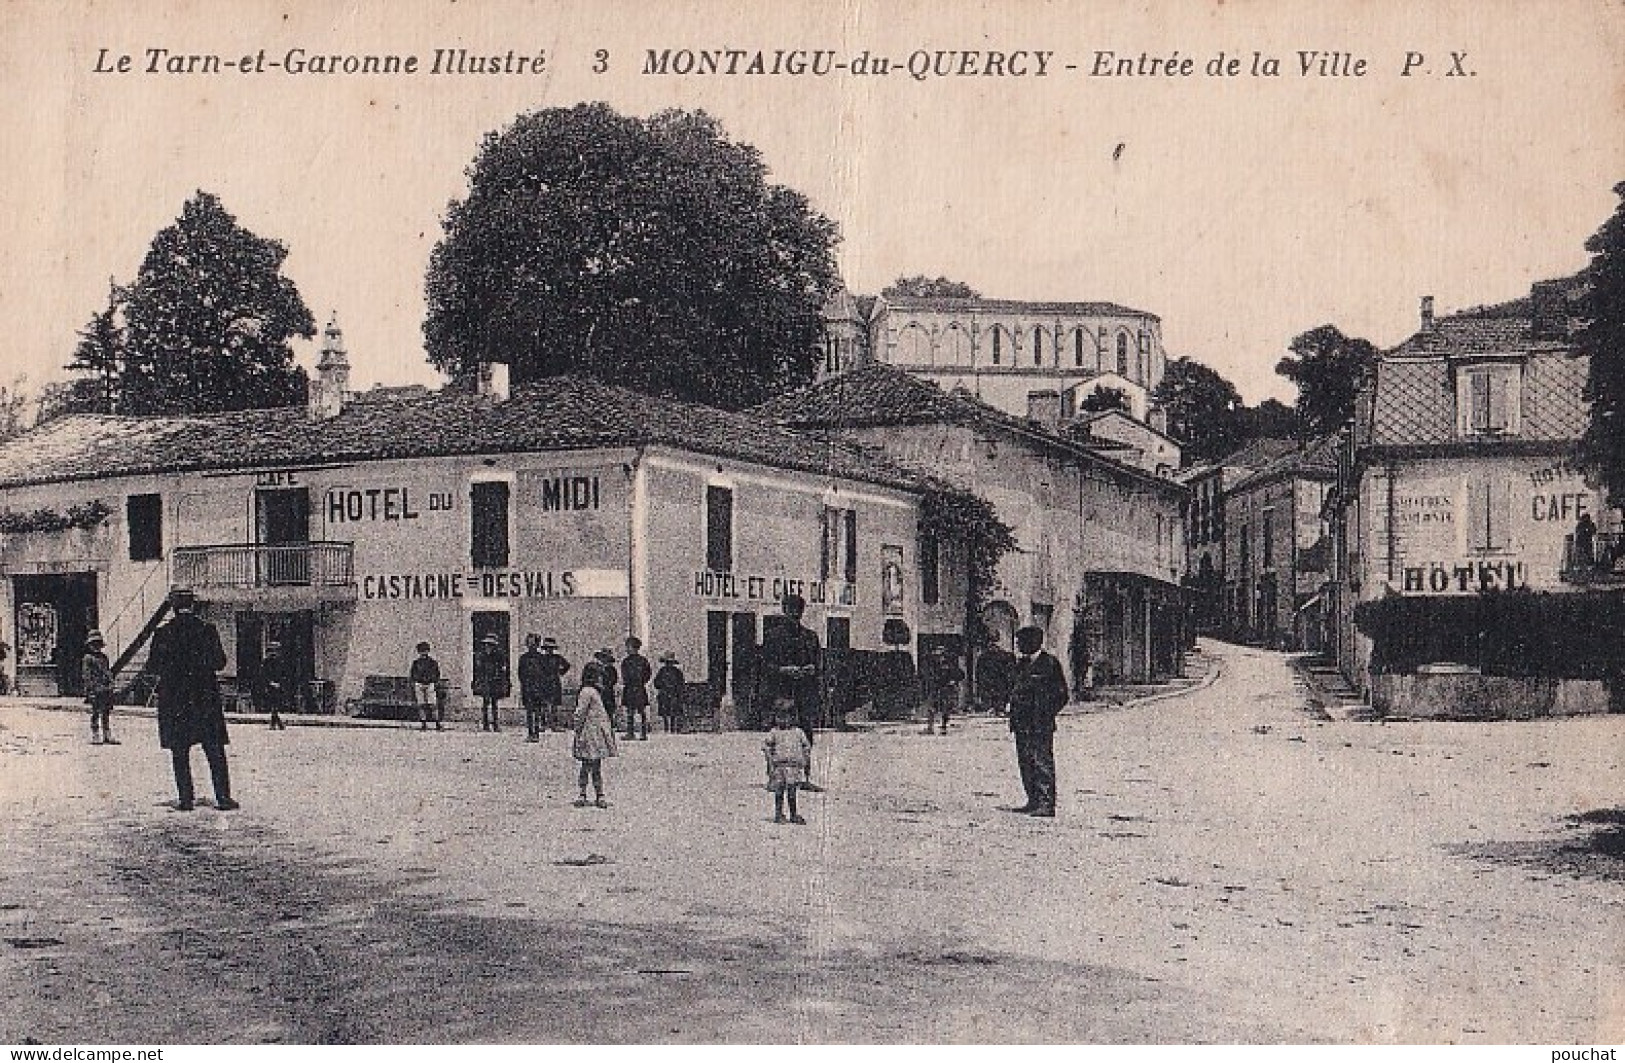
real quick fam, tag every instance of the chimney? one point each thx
(1548, 311)
(1044, 407)
(494, 381)
(1427, 313)
(332, 383)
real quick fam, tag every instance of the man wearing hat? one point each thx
(491, 680)
(635, 675)
(273, 689)
(185, 656)
(789, 660)
(97, 676)
(669, 683)
(541, 670)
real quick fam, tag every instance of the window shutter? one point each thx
(1478, 515)
(1499, 390)
(826, 549)
(490, 524)
(1499, 505)
(719, 520)
(1479, 398)
(851, 546)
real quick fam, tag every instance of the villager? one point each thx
(789, 755)
(606, 661)
(97, 677)
(274, 690)
(943, 675)
(491, 681)
(532, 669)
(426, 689)
(186, 656)
(669, 683)
(995, 676)
(789, 673)
(1039, 694)
(1585, 541)
(595, 735)
(635, 676)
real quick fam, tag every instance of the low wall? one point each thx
(1467, 696)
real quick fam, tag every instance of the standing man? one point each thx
(1039, 694)
(789, 663)
(608, 682)
(554, 668)
(186, 655)
(635, 675)
(532, 669)
(274, 690)
(491, 681)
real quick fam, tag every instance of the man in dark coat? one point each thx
(1039, 694)
(491, 681)
(789, 669)
(995, 676)
(185, 656)
(635, 675)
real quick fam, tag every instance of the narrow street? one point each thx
(1224, 867)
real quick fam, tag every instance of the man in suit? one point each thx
(635, 675)
(185, 656)
(789, 660)
(1039, 694)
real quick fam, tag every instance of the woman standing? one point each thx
(595, 735)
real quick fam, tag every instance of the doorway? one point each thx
(295, 633)
(282, 520)
(53, 615)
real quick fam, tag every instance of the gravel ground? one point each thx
(1224, 868)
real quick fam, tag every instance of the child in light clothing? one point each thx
(789, 755)
(595, 735)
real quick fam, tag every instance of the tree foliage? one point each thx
(1104, 398)
(14, 407)
(1205, 411)
(205, 326)
(1602, 338)
(1271, 419)
(648, 252)
(955, 515)
(920, 286)
(1327, 367)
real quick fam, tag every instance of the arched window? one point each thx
(998, 353)
(1122, 354)
(954, 345)
(1038, 345)
(1077, 347)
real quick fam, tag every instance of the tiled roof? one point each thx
(875, 395)
(1414, 402)
(1013, 306)
(1257, 454)
(1312, 461)
(562, 413)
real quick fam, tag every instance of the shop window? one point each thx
(488, 531)
(719, 528)
(144, 518)
(1489, 514)
(930, 570)
(838, 558)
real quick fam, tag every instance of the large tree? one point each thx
(1602, 338)
(205, 327)
(920, 286)
(650, 252)
(1204, 409)
(1327, 367)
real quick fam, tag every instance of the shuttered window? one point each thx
(1489, 514)
(719, 528)
(488, 531)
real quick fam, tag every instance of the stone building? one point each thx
(1101, 540)
(1209, 484)
(350, 531)
(1477, 563)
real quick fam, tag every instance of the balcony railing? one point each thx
(251, 565)
(1603, 563)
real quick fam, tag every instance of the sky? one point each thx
(1242, 209)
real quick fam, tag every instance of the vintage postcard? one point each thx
(920, 522)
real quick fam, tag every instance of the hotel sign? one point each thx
(747, 588)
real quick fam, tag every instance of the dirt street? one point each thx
(1224, 867)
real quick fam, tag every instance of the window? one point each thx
(1489, 513)
(1122, 354)
(839, 555)
(1269, 538)
(719, 528)
(488, 533)
(1246, 547)
(1077, 346)
(1488, 399)
(930, 570)
(144, 519)
(996, 347)
(1038, 346)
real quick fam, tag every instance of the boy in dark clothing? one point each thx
(669, 681)
(540, 688)
(635, 675)
(97, 675)
(426, 688)
(274, 690)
